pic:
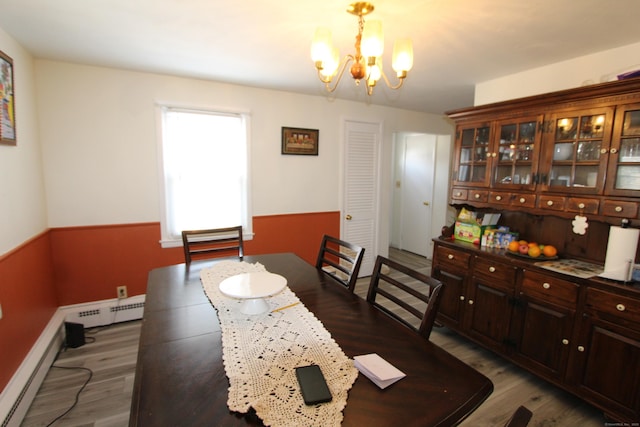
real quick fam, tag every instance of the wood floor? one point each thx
(111, 357)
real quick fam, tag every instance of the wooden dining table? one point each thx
(181, 381)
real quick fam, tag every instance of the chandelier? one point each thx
(366, 63)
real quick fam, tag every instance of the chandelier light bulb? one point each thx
(372, 39)
(331, 64)
(402, 60)
(321, 49)
(374, 74)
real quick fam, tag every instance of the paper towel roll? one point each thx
(621, 253)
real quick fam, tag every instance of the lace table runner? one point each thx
(261, 351)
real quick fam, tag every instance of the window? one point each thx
(204, 160)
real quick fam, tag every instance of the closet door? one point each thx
(361, 166)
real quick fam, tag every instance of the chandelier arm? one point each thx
(327, 82)
(388, 83)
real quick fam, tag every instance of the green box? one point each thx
(469, 232)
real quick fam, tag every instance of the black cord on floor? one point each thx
(77, 394)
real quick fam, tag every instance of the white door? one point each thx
(360, 219)
(417, 193)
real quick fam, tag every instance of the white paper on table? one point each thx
(378, 370)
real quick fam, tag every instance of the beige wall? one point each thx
(99, 142)
(22, 199)
(595, 68)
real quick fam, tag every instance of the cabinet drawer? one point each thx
(551, 289)
(524, 200)
(554, 203)
(499, 198)
(459, 194)
(587, 206)
(478, 196)
(607, 302)
(495, 271)
(619, 208)
(452, 258)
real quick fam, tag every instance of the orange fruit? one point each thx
(534, 251)
(513, 246)
(523, 242)
(549, 251)
(532, 244)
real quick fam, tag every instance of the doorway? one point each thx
(420, 162)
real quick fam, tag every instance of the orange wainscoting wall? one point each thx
(28, 299)
(72, 265)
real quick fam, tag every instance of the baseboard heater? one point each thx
(105, 312)
(17, 396)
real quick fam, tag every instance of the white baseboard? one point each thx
(19, 393)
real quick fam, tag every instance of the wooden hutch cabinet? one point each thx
(566, 152)
(541, 161)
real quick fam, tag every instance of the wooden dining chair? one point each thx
(405, 294)
(199, 244)
(340, 260)
(520, 417)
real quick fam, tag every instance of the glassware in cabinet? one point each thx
(577, 151)
(624, 164)
(517, 145)
(473, 154)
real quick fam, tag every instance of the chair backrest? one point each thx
(341, 260)
(405, 294)
(200, 243)
(520, 418)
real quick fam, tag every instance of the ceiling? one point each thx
(265, 43)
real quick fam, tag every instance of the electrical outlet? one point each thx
(122, 291)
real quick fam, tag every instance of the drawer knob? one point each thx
(546, 285)
(580, 348)
(498, 198)
(522, 200)
(461, 297)
(621, 307)
(459, 194)
(581, 205)
(492, 269)
(549, 202)
(470, 302)
(565, 341)
(477, 196)
(450, 256)
(618, 209)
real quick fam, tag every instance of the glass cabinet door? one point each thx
(473, 154)
(576, 149)
(624, 165)
(517, 145)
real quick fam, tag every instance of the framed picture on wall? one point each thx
(7, 97)
(300, 141)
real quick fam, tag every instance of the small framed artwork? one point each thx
(300, 141)
(7, 99)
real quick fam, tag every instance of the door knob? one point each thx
(348, 217)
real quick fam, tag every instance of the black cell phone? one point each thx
(313, 385)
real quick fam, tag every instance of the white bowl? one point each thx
(563, 151)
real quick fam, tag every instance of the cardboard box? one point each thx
(498, 238)
(468, 232)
